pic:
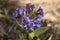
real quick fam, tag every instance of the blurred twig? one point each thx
(50, 38)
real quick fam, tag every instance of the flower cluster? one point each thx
(27, 19)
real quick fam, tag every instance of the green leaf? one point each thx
(40, 31)
(21, 37)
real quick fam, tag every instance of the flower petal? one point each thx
(32, 6)
(27, 26)
(29, 18)
(40, 10)
(18, 8)
(21, 11)
(24, 21)
(15, 14)
(39, 18)
(36, 24)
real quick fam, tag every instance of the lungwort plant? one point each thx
(30, 21)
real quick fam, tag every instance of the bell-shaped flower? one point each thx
(29, 7)
(29, 18)
(21, 11)
(15, 14)
(36, 24)
(39, 18)
(18, 8)
(40, 11)
(24, 21)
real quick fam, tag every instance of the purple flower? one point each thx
(28, 6)
(36, 24)
(40, 10)
(27, 26)
(15, 14)
(26, 10)
(20, 10)
(24, 21)
(32, 6)
(39, 18)
(29, 18)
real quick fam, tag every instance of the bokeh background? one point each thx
(51, 17)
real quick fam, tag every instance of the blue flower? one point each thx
(28, 6)
(24, 21)
(21, 11)
(15, 14)
(36, 24)
(29, 18)
(32, 6)
(26, 10)
(27, 26)
(18, 8)
(39, 18)
(40, 10)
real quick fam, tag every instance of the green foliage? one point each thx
(40, 31)
(20, 37)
